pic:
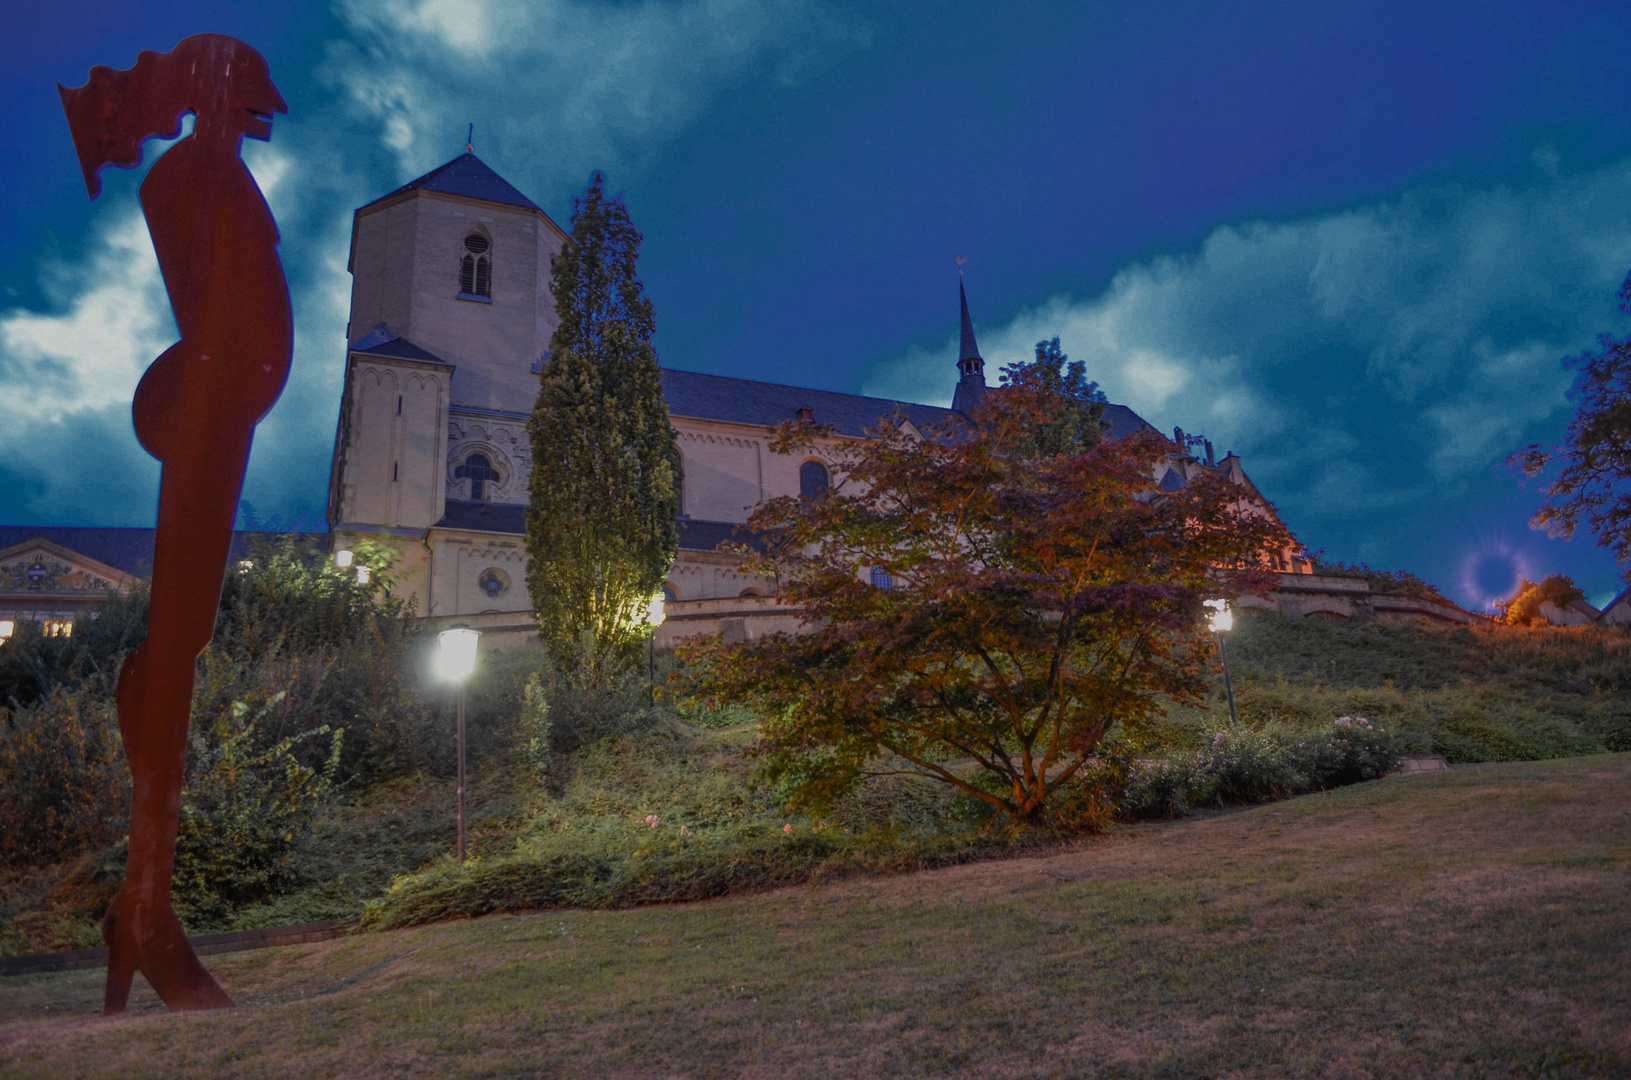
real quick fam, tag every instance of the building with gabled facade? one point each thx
(451, 317)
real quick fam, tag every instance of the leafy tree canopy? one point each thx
(1025, 601)
(1079, 421)
(1559, 590)
(1594, 484)
(602, 526)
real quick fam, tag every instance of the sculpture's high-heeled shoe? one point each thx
(144, 937)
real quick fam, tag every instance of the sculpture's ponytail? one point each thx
(116, 111)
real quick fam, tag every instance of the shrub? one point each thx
(64, 788)
(247, 797)
(1243, 766)
(537, 749)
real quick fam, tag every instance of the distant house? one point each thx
(56, 575)
(1617, 612)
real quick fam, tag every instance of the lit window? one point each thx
(8, 627)
(881, 578)
(813, 480)
(479, 472)
(59, 628)
(475, 269)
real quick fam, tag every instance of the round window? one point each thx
(493, 581)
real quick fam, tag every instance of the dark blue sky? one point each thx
(1350, 241)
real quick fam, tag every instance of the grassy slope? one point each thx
(1487, 694)
(1475, 923)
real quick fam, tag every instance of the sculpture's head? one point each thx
(223, 82)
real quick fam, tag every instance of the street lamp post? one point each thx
(655, 615)
(1222, 620)
(457, 659)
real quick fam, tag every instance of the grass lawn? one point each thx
(1469, 924)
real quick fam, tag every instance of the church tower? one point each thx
(970, 367)
(450, 313)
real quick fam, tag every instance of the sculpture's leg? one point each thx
(141, 928)
(198, 496)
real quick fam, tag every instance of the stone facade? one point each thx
(432, 452)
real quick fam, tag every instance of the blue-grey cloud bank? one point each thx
(1352, 243)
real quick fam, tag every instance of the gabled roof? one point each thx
(467, 176)
(126, 549)
(16, 555)
(381, 342)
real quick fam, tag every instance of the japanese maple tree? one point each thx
(985, 598)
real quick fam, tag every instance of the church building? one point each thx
(451, 315)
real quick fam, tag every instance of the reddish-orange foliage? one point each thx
(1031, 603)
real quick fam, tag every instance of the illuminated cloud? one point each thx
(1362, 361)
(557, 87)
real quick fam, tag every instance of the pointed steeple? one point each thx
(970, 365)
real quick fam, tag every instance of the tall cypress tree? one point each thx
(601, 528)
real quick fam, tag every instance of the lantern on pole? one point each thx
(655, 614)
(456, 658)
(1220, 621)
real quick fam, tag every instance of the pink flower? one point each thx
(1219, 739)
(787, 828)
(684, 831)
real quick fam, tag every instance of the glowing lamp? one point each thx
(456, 655)
(342, 559)
(1221, 618)
(363, 575)
(8, 627)
(655, 613)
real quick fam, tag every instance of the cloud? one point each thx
(1367, 360)
(554, 86)
(111, 320)
(557, 86)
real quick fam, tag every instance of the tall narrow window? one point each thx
(479, 472)
(475, 269)
(813, 480)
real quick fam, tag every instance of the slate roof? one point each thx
(127, 549)
(469, 176)
(484, 517)
(968, 349)
(380, 341)
(745, 401)
(709, 535)
(512, 519)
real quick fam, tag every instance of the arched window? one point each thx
(813, 480)
(669, 595)
(750, 592)
(475, 268)
(478, 471)
(881, 578)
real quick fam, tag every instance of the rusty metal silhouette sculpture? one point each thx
(195, 410)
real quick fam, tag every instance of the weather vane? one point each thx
(195, 410)
(470, 140)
